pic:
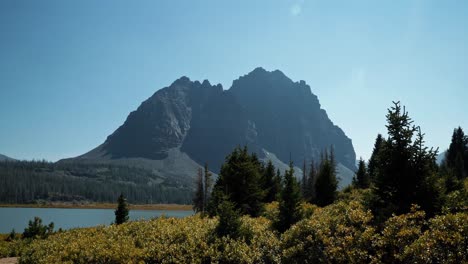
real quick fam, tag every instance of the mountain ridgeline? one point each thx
(191, 123)
(3, 158)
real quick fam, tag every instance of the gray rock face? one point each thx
(288, 118)
(159, 124)
(3, 158)
(264, 110)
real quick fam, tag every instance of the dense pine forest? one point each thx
(42, 181)
(402, 207)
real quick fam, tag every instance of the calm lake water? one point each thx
(18, 218)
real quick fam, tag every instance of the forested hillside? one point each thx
(41, 181)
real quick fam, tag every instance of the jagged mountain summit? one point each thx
(191, 123)
(5, 158)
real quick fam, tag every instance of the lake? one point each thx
(18, 218)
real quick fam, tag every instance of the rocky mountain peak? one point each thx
(263, 109)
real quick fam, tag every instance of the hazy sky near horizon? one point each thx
(71, 71)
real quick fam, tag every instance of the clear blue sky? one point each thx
(71, 71)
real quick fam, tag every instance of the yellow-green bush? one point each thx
(11, 248)
(399, 232)
(339, 233)
(446, 241)
(456, 201)
(308, 209)
(163, 240)
(271, 211)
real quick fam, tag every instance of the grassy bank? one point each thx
(172, 207)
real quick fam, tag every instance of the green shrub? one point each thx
(446, 241)
(339, 233)
(399, 232)
(271, 211)
(12, 248)
(456, 201)
(162, 240)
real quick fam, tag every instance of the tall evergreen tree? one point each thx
(456, 158)
(404, 166)
(121, 214)
(277, 185)
(216, 198)
(326, 183)
(198, 199)
(373, 161)
(427, 193)
(361, 179)
(289, 206)
(332, 158)
(240, 180)
(304, 181)
(269, 183)
(207, 182)
(311, 195)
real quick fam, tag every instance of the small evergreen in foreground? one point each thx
(290, 200)
(361, 179)
(326, 183)
(207, 182)
(456, 158)
(36, 229)
(202, 192)
(310, 193)
(373, 161)
(121, 214)
(12, 236)
(270, 183)
(229, 220)
(198, 200)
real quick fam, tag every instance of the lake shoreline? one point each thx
(63, 205)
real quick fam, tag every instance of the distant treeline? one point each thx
(36, 181)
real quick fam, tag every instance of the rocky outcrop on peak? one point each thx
(289, 119)
(203, 123)
(5, 158)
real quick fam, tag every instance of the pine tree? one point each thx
(427, 193)
(216, 198)
(36, 229)
(373, 161)
(332, 159)
(277, 185)
(304, 181)
(240, 179)
(326, 183)
(121, 214)
(206, 187)
(456, 158)
(269, 183)
(361, 179)
(198, 200)
(311, 183)
(404, 169)
(12, 236)
(229, 220)
(290, 200)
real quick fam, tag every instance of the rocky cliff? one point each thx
(202, 123)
